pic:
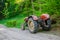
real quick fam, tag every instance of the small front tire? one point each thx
(48, 26)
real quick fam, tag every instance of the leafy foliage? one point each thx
(15, 7)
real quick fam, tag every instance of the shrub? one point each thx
(11, 23)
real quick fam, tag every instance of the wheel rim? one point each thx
(31, 26)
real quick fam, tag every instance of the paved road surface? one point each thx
(17, 34)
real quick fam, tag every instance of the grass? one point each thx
(19, 19)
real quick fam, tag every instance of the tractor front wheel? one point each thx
(48, 26)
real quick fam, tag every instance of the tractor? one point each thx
(34, 23)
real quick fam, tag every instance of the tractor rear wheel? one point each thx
(32, 25)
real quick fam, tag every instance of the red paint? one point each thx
(44, 16)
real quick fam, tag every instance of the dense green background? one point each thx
(12, 12)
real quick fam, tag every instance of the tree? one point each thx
(2, 5)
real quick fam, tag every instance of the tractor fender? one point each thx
(33, 17)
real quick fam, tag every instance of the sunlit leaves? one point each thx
(19, 1)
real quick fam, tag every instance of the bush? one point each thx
(55, 19)
(11, 23)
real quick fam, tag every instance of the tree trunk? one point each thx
(40, 6)
(32, 6)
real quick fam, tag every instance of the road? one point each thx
(18, 34)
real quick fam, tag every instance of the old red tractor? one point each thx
(34, 23)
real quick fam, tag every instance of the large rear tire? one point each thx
(32, 25)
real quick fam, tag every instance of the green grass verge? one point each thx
(13, 22)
